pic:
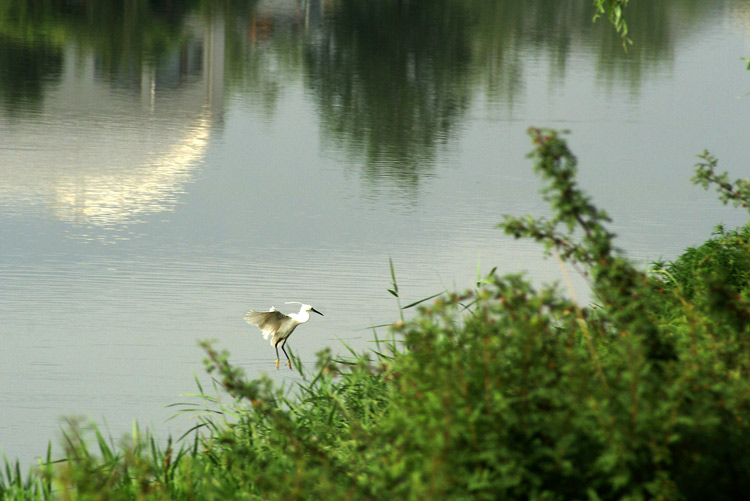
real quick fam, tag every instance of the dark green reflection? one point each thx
(391, 79)
(123, 36)
(24, 70)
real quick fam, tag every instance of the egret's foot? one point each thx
(289, 363)
(277, 363)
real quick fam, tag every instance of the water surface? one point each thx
(163, 169)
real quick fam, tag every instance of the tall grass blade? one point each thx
(415, 303)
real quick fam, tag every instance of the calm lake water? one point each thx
(164, 169)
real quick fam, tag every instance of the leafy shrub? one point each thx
(510, 392)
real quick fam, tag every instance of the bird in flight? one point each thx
(279, 326)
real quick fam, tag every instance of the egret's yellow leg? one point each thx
(277, 363)
(289, 363)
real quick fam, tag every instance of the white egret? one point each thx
(279, 326)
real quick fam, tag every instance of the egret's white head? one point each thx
(305, 307)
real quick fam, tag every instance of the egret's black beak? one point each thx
(316, 311)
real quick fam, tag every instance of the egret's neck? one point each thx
(301, 317)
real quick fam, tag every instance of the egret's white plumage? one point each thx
(279, 326)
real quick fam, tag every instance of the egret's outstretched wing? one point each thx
(267, 321)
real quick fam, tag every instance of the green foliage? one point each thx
(500, 392)
(737, 192)
(613, 9)
(722, 261)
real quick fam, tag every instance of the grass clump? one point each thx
(504, 391)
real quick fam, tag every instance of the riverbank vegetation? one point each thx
(503, 391)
